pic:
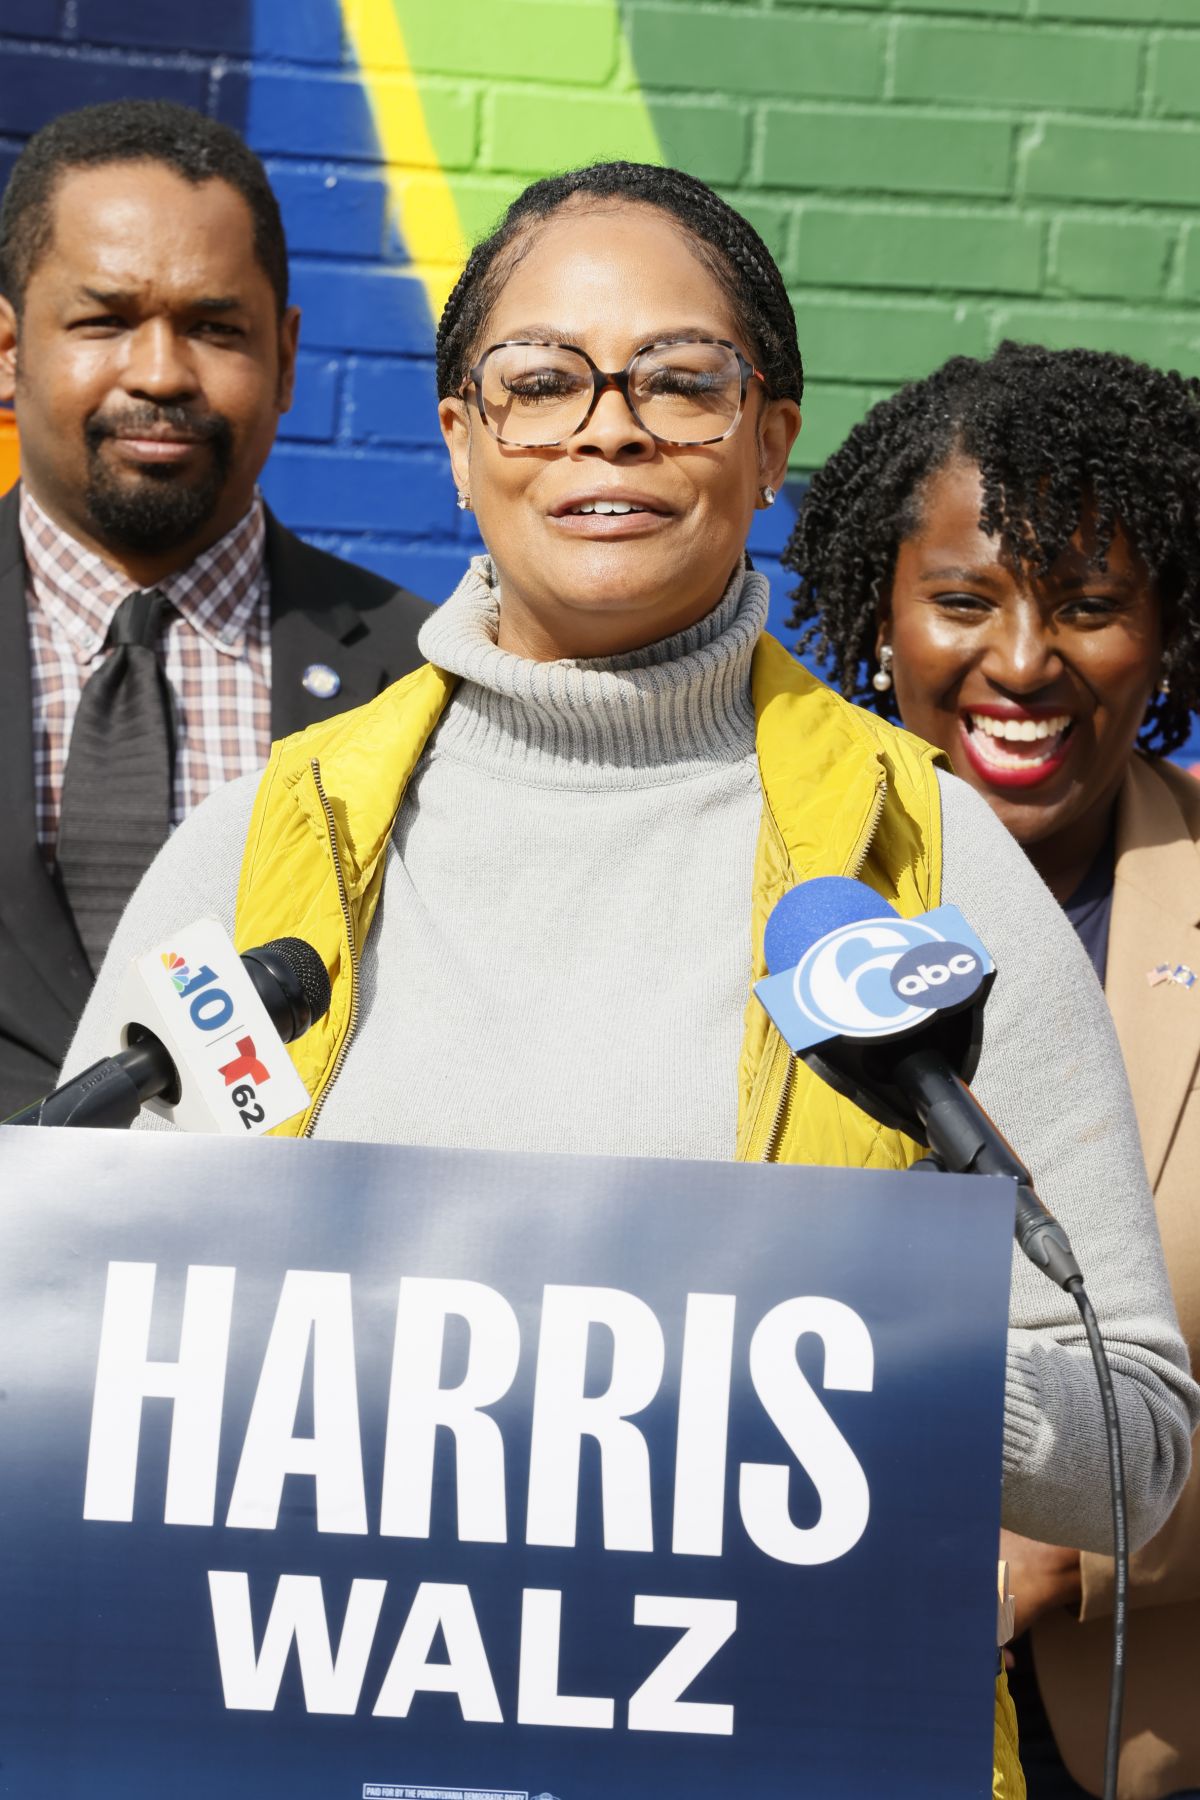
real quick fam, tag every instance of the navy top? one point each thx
(1090, 906)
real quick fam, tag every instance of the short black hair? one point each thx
(195, 147)
(726, 242)
(1055, 433)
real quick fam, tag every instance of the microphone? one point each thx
(889, 1012)
(203, 1042)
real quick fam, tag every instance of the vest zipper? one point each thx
(869, 830)
(775, 1135)
(343, 901)
(774, 1138)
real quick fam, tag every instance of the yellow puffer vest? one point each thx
(844, 793)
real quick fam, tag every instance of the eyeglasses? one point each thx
(535, 395)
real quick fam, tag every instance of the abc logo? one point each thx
(843, 982)
(939, 977)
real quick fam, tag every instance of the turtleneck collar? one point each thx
(655, 715)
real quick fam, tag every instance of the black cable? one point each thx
(963, 1139)
(1116, 1481)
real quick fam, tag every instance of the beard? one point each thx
(155, 509)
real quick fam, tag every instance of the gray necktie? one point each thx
(116, 796)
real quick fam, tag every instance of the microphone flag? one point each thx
(194, 994)
(843, 963)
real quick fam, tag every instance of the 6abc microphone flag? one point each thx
(845, 964)
(889, 1012)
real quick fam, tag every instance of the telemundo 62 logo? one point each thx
(876, 978)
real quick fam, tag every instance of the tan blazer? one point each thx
(1155, 919)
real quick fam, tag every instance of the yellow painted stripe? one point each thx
(421, 196)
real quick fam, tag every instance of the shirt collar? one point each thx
(216, 593)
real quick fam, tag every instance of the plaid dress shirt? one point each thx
(215, 649)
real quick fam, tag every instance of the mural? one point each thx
(930, 178)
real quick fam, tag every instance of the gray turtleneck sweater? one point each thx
(560, 962)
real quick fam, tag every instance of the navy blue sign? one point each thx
(337, 1472)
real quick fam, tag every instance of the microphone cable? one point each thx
(964, 1140)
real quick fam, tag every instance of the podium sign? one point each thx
(336, 1472)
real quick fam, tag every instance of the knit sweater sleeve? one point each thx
(1052, 1078)
(194, 876)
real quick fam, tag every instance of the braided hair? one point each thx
(725, 242)
(1056, 433)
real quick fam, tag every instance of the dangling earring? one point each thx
(881, 680)
(464, 500)
(1164, 686)
(767, 495)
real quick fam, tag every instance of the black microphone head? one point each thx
(308, 968)
(292, 982)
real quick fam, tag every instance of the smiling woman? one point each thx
(542, 864)
(572, 465)
(1015, 546)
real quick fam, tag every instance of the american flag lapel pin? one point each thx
(1180, 975)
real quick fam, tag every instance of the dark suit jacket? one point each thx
(323, 610)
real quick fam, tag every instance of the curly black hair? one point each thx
(117, 131)
(726, 242)
(1054, 432)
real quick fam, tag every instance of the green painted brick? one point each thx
(992, 9)
(711, 141)
(1191, 262)
(772, 219)
(887, 341)
(522, 125)
(509, 38)
(830, 412)
(877, 247)
(1111, 258)
(481, 200)
(888, 152)
(874, 5)
(1159, 164)
(1118, 12)
(756, 53)
(1175, 74)
(1038, 65)
(1169, 340)
(451, 121)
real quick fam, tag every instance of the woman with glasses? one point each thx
(539, 869)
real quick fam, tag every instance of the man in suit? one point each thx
(158, 627)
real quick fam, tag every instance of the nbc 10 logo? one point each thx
(878, 976)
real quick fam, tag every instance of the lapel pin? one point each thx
(321, 681)
(1181, 975)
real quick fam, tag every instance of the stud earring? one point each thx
(1164, 686)
(881, 680)
(464, 500)
(767, 495)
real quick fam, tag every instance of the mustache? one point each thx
(206, 428)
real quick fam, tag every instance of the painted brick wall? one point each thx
(932, 174)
